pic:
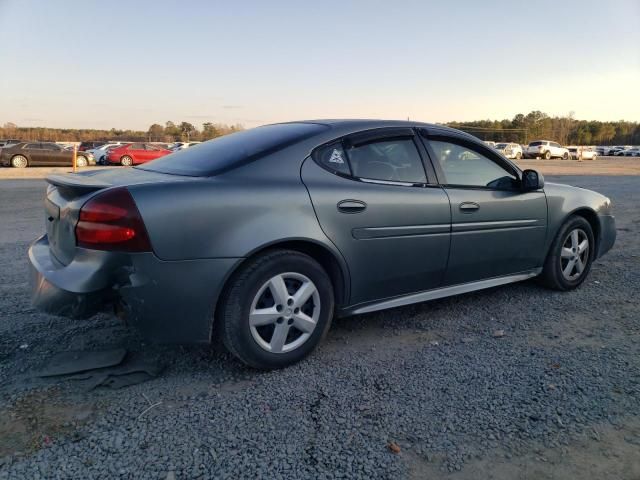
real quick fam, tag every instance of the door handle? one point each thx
(351, 206)
(469, 207)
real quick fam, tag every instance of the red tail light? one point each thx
(111, 221)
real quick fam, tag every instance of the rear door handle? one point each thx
(351, 206)
(469, 207)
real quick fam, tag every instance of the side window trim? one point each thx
(485, 152)
(374, 135)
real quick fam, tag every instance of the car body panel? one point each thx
(406, 229)
(202, 229)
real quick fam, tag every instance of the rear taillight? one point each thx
(111, 221)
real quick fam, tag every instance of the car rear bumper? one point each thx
(607, 234)
(169, 302)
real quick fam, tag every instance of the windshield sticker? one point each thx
(336, 157)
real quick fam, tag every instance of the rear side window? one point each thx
(230, 151)
(333, 158)
(136, 146)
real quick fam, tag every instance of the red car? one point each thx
(135, 153)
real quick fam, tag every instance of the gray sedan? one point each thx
(263, 236)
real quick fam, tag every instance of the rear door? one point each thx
(496, 228)
(382, 210)
(138, 152)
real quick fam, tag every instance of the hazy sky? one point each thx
(127, 64)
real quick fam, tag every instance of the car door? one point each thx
(137, 152)
(496, 229)
(54, 154)
(389, 219)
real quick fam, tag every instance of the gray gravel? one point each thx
(433, 378)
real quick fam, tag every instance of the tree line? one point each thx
(169, 132)
(565, 130)
(535, 125)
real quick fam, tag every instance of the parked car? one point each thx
(619, 151)
(89, 145)
(182, 145)
(490, 143)
(632, 152)
(28, 154)
(546, 149)
(100, 153)
(510, 150)
(582, 153)
(135, 154)
(268, 233)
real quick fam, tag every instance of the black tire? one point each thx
(518, 156)
(552, 275)
(232, 320)
(565, 156)
(126, 161)
(547, 155)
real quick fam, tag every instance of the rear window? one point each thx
(227, 152)
(535, 144)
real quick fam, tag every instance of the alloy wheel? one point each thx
(19, 161)
(574, 256)
(285, 312)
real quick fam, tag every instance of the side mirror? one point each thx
(532, 180)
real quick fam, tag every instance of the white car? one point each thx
(546, 149)
(182, 145)
(100, 153)
(582, 153)
(490, 143)
(510, 150)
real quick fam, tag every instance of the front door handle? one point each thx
(469, 207)
(351, 206)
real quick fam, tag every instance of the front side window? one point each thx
(394, 160)
(467, 167)
(136, 146)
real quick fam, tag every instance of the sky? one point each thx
(128, 64)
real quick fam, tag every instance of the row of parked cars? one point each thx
(548, 149)
(19, 154)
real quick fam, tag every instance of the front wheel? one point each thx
(82, 161)
(565, 156)
(19, 161)
(126, 161)
(518, 156)
(276, 309)
(570, 256)
(547, 155)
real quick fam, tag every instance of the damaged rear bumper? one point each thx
(168, 301)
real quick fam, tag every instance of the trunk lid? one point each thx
(67, 193)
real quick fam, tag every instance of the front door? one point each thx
(496, 229)
(389, 220)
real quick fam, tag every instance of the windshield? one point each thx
(230, 151)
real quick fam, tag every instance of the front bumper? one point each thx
(169, 302)
(607, 234)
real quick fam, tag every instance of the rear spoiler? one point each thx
(77, 182)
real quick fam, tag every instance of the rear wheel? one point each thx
(518, 156)
(19, 161)
(126, 161)
(82, 161)
(571, 255)
(547, 155)
(565, 156)
(276, 309)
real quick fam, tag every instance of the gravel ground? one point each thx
(415, 392)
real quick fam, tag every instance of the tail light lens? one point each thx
(111, 221)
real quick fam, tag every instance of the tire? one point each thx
(82, 161)
(565, 156)
(126, 161)
(250, 289)
(547, 155)
(518, 156)
(19, 161)
(554, 274)
(594, 158)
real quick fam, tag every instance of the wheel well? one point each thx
(591, 217)
(319, 253)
